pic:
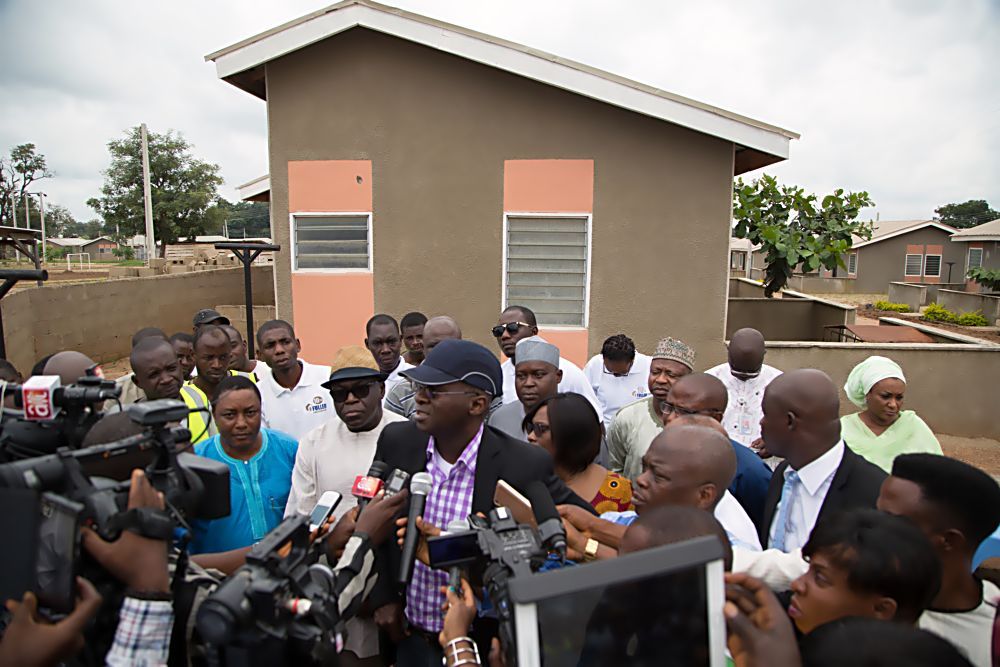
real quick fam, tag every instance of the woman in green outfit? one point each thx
(883, 430)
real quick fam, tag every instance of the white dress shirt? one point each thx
(298, 410)
(737, 524)
(807, 498)
(573, 382)
(744, 412)
(614, 393)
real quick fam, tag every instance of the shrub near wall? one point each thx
(937, 313)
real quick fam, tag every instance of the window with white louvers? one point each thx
(932, 266)
(914, 265)
(331, 242)
(548, 267)
(975, 258)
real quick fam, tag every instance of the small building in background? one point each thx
(100, 249)
(978, 246)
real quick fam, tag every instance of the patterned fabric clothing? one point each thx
(450, 499)
(143, 635)
(615, 495)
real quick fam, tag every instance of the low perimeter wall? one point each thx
(916, 295)
(818, 285)
(952, 387)
(99, 318)
(964, 302)
(793, 316)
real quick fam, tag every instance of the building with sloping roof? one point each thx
(980, 246)
(420, 165)
(100, 249)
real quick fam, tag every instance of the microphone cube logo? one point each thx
(37, 395)
(366, 487)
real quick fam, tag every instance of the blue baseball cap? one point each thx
(459, 361)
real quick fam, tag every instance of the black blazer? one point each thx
(403, 446)
(855, 484)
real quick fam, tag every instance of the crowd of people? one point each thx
(845, 537)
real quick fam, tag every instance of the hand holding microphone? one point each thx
(366, 486)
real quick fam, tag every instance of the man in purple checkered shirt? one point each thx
(465, 458)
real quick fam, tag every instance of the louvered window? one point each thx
(548, 267)
(331, 242)
(932, 266)
(975, 258)
(852, 263)
(914, 264)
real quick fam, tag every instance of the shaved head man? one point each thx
(155, 369)
(746, 377)
(70, 366)
(820, 475)
(438, 329)
(705, 396)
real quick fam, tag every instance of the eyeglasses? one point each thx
(433, 393)
(740, 375)
(359, 390)
(669, 408)
(511, 328)
(617, 375)
(537, 428)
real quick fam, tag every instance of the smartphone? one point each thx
(507, 496)
(58, 549)
(397, 482)
(324, 508)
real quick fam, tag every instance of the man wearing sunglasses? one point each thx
(465, 458)
(517, 323)
(331, 455)
(746, 376)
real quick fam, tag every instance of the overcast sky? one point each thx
(901, 99)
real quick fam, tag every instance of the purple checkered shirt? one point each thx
(450, 499)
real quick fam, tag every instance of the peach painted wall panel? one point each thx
(548, 186)
(572, 343)
(331, 310)
(329, 186)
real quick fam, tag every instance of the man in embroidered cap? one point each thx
(635, 425)
(332, 454)
(536, 376)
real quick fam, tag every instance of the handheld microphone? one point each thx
(550, 526)
(420, 486)
(367, 486)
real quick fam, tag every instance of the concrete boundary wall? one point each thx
(964, 302)
(917, 295)
(99, 318)
(952, 387)
(794, 316)
(823, 285)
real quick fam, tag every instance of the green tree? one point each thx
(968, 214)
(246, 219)
(990, 279)
(18, 172)
(793, 230)
(59, 221)
(183, 188)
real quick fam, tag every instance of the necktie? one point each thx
(784, 513)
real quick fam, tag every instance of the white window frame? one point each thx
(853, 255)
(906, 261)
(336, 214)
(968, 259)
(932, 275)
(586, 282)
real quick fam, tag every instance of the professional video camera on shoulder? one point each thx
(47, 498)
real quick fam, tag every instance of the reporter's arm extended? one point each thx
(226, 562)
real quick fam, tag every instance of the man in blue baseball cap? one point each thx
(448, 439)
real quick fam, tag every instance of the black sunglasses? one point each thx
(511, 328)
(359, 390)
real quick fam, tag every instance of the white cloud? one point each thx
(897, 98)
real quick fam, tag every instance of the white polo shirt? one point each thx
(298, 410)
(614, 393)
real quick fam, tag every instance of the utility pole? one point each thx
(147, 197)
(41, 208)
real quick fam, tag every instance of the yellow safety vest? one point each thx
(200, 422)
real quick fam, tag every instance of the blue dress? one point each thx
(258, 492)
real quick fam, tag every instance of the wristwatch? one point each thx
(590, 551)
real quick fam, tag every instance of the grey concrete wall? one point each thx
(952, 387)
(817, 285)
(99, 318)
(796, 318)
(913, 296)
(963, 302)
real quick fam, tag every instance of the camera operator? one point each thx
(146, 615)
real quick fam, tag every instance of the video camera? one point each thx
(494, 551)
(279, 608)
(47, 498)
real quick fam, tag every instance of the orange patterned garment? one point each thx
(615, 495)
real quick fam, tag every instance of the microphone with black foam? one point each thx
(367, 486)
(420, 486)
(550, 526)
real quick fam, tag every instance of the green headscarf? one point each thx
(867, 374)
